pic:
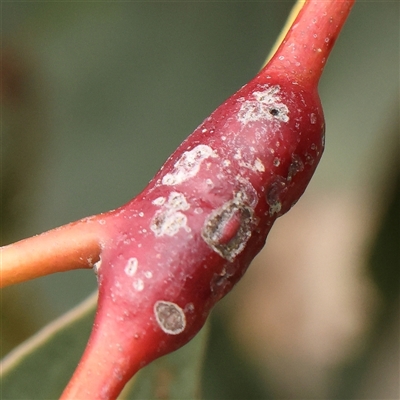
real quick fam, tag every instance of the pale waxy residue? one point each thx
(96, 266)
(170, 317)
(209, 183)
(131, 266)
(309, 159)
(313, 118)
(188, 165)
(138, 285)
(267, 104)
(159, 201)
(148, 274)
(169, 219)
(257, 166)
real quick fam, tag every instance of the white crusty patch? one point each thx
(258, 166)
(188, 165)
(266, 105)
(131, 266)
(138, 285)
(169, 219)
(313, 118)
(159, 201)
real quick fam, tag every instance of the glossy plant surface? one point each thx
(181, 245)
(164, 259)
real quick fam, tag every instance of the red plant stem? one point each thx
(307, 45)
(72, 246)
(96, 377)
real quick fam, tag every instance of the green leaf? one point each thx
(175, 376)
(41, 367)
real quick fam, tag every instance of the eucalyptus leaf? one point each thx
(175, 376)
(41, 367)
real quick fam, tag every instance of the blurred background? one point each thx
(95, 97)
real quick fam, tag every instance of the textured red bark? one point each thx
(183, 243)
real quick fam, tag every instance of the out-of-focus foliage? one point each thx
(175, 376)
(46, 362)
(96, 97)
(41, 368)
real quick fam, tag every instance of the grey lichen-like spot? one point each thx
(170, 317)
(228, 228)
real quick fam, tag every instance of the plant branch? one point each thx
(172, 252)
(183, 243)
(315, 29)
(73, 246)
(106, 365)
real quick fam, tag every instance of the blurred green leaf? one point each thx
(41, 367)
(45, 363)
(175, 376)
(227, 373)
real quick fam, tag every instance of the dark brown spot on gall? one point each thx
(295, 167)
(220, 283)
(274, 195)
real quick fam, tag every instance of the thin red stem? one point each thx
(106, 365)
(307, 45)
